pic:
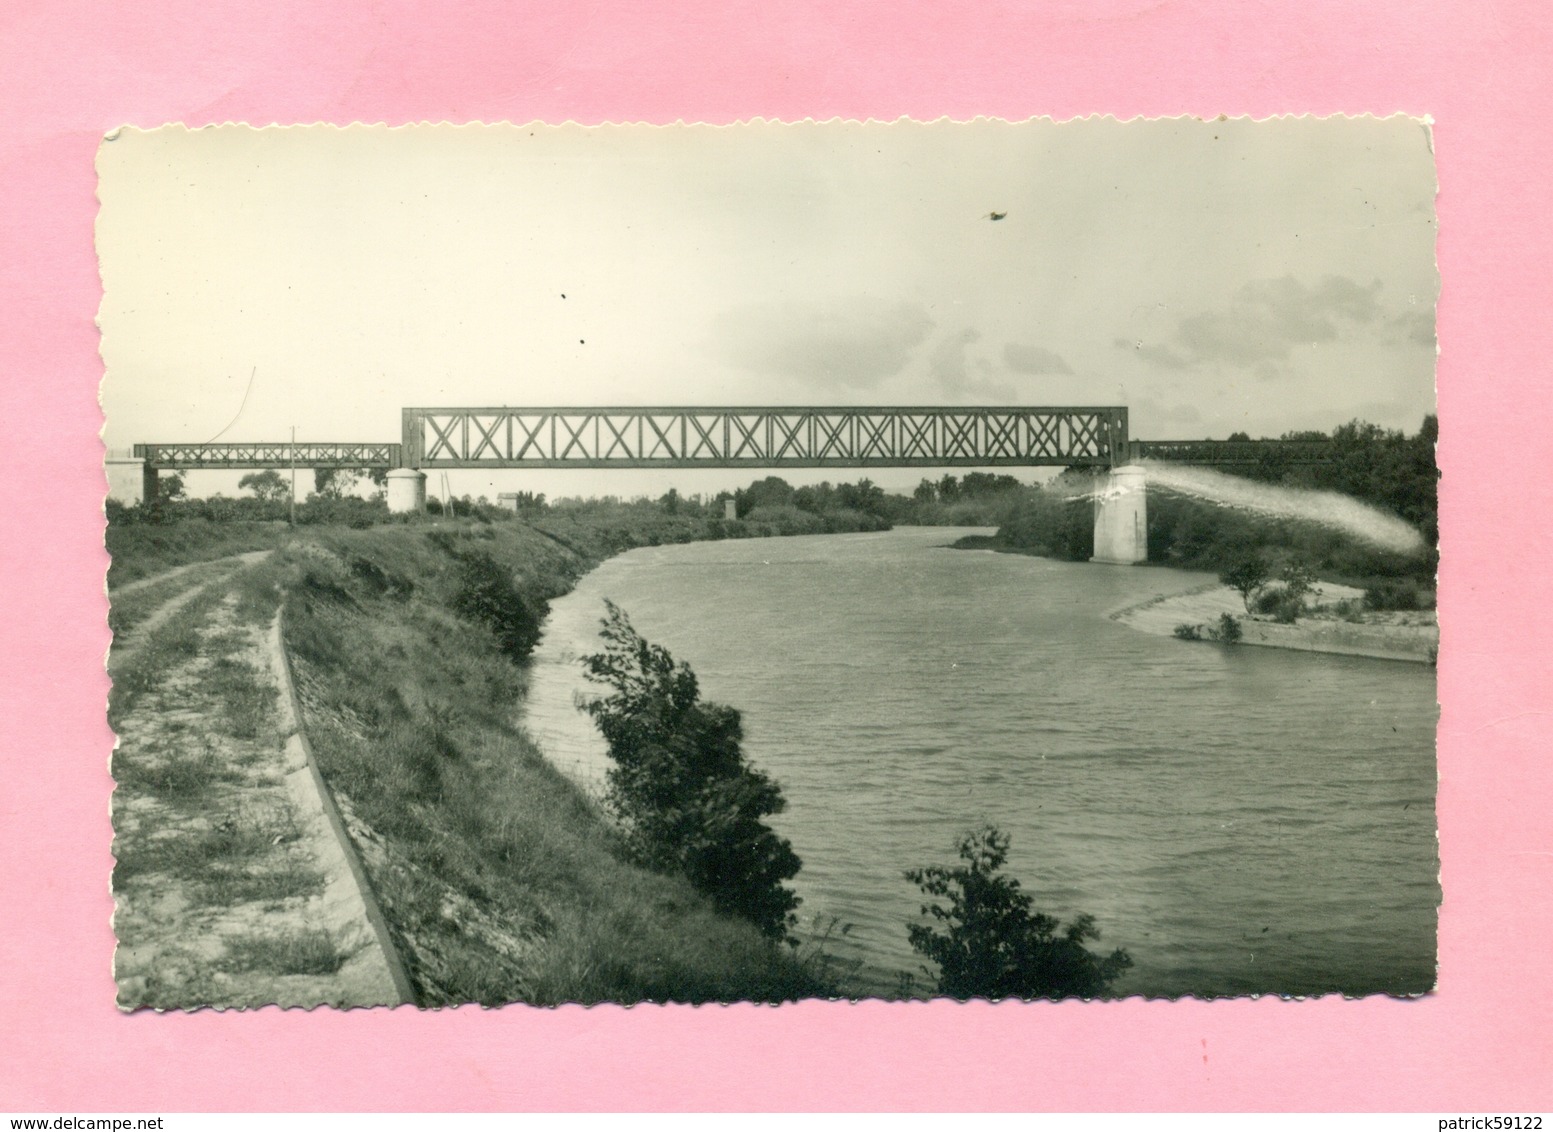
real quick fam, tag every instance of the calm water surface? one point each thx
(1239, 819)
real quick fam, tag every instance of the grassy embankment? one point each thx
(143, 549)
(500, 879)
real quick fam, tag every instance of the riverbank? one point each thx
(1331, 626)
(498, 880)
(1413, 636)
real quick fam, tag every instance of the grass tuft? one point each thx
(245, 694)
(311, 952)
(179, 777)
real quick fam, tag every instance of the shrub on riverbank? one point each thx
(688, 801)
(991, 944)
(500, 880)
(487, 595)
(1051, 524)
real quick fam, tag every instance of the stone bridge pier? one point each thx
(1122, 517)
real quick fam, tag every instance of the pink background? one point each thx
(70, 69)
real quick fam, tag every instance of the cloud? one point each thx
(1157, 414)
(853, 342)
(1265, 320)
(951, 367)
(1416, 326)
(1036, 360)
(1159, 354)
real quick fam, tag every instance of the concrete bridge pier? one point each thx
(406, 490)
(130, 479)
(1122, 517)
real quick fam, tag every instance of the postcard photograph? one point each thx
(756, 563)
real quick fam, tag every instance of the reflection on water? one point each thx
(1240, 820)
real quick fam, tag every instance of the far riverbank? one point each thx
(1407, 636)
(1412, 637)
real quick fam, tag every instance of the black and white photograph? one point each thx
(778, 561)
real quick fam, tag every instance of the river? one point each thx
(1241, 820)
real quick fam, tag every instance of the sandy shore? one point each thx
(1411, 637)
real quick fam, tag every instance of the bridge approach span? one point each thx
(240, 457)
(1235, 453)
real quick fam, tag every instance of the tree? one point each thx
(1247, 577)
(993, 945)
(816, 499)
(687, 798)
(335, 483)
(773, 491)
(865, 496)
(268, 485)
(169, 488)
(981, 485)
(1299, 582)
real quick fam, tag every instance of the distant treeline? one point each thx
(768, 506)
(1385, 468)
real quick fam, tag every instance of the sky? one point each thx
(1213, 276)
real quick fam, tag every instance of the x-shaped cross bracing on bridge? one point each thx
(641, 437)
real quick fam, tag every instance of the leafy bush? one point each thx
(993, 945)
(1402, 594)
(1187, 632)
(689, 801)
(1299, 581)
(1247, 577)
(1284, 606)
(1047, 523)
(1228, 629)
(348, 511)
(486, 594)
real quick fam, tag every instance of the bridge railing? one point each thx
(795, 437)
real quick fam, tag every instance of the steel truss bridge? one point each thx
(791, 437)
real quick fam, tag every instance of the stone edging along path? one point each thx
(374, 974)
